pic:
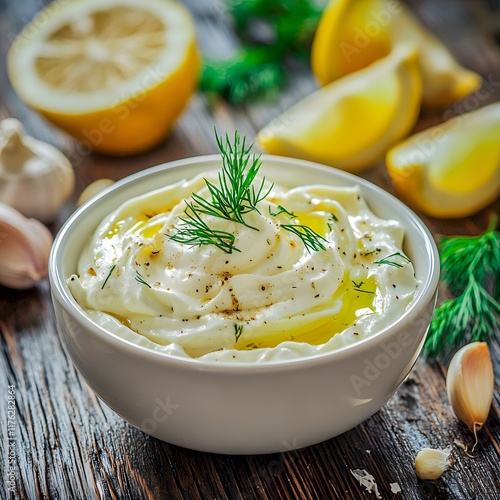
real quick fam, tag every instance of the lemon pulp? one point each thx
(93, 54)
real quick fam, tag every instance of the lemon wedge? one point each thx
(113, 74)
(351, 122)
(451, 170)
(353, 33)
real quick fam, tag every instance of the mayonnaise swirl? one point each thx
(272, 299)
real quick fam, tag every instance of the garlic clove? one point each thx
(35, 177)
(93, 189)
(430, 463)
(24, 249)
(470, 384)
(11, 142)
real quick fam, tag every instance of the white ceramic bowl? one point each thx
(242, 408)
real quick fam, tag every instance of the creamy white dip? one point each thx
(273, 299)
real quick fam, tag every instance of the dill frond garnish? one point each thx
(195, 231)
(236, 194)
(357, 287)
(282, 210)
(387, 260)
(238, 330)
(140, 279)
(311, 239)
(108, 276)
(233, 198)
(470, 268)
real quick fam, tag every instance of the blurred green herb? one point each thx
(271, 31)
(470, 268)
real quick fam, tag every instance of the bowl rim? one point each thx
(61, 293)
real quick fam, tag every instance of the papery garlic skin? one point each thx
(431, 463)
(24, 249)
(35, 177)
(470, 384)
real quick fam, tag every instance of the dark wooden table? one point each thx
(70, 445)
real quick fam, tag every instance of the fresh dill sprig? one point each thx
(238, 330)
(357, 287)
(235, 196)
(386, 260)
(474, 313)
(195, 231)
(479, 256)
(311, 239)
(470, 268)
(282, 210)
(140, 279)
(108, 276)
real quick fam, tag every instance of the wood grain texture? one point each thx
(70, 445)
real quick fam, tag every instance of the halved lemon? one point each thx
(351, 122)
(113, 74)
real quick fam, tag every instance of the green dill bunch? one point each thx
(470, 268)
(477, 256)
(473, 316)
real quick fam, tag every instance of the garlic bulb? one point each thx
(430, 463)
(470, 384)
(24, 249)
(35, 177)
